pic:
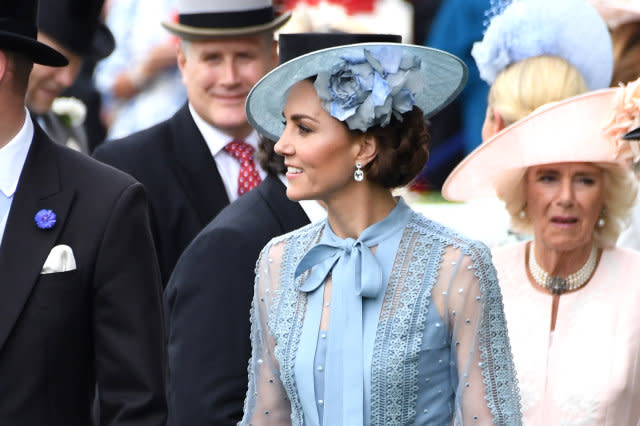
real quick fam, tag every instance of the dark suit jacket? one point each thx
(207, 304)
(61, 333)
(185, 190)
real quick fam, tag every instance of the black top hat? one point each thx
(297, 44)
(632, 135)
(76, 25)
(205, 19)
(18, 32)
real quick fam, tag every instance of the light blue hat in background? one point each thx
(361, 84)
(570, 29)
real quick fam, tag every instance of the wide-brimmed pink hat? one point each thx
(572, 130)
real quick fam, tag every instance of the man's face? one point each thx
(47, 83)
(219, 74)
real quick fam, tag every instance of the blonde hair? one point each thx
(620, 189)
(530, 83)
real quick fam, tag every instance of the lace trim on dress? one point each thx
(494, 344)
(406, 303)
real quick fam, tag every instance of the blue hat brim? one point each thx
(444, 78)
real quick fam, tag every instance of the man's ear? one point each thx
(368, 149)
(181, 58)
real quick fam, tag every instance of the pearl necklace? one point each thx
(559, 285)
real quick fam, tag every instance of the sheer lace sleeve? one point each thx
(266, 402)
(469, 299)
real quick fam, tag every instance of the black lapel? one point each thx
(25, 247)
(196, 169)
(289, 213)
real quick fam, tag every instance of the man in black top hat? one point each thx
(74, 28)
(80, 302)
(192, 164)
(208, 298)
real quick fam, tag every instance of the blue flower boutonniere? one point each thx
(45, 219)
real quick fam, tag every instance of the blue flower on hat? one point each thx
(364, 91)
(45, 219)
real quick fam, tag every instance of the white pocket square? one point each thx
(60, 259)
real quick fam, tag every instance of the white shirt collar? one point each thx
(215, 139)
(312, 208)
(13, 155)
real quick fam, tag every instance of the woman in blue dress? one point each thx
(376, 315)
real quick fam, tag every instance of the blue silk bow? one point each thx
(367, 274)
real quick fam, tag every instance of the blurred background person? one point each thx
(140, 82)
(84, 89)
(532, 55)
(570, 295)
(90, 39)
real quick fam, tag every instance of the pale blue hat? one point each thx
(361, 84)
(570, 29)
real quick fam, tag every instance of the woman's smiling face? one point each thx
(564, 202)
(319, 151)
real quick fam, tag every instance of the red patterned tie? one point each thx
(249, 177)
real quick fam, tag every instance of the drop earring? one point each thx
(523, 212)
(358, 174)
(601, 220)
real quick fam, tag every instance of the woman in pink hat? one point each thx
(570, 294)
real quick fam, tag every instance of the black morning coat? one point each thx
(64, 334)
(207, 304)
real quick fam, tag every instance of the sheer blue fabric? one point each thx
(416, 331)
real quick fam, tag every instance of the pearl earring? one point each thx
(602, 221)
(523, 212)
(358, 175)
